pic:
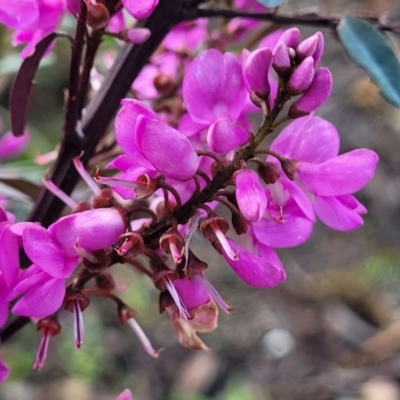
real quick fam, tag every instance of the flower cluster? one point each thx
(211, 156)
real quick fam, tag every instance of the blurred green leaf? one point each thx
(10, 64)
(369, 49)
(30, 189)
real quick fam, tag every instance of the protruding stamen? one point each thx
(214, 293)
(79, 331)
(41, 354)
(191, 227)
(85, 176)
(224, 242)
(51, 187)
(142, 337)
(183, 312)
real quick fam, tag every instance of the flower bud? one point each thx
(301, 78)
(250, 195)
(256, 69)
(269, 172)
(281, 60)
(97, 15)
(307, 47)
(291, 37)
(315, 96)
(136, 35)
(319, 49)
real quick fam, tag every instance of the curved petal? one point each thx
(263, 271)
(140, 9)
(289, 231)
(167, 149)
(250, 195)
(125, 126)
(310, 139)
(42, 300)
(203, 84)
(20, 14)
(224, 136)
(192, 292)
(43, 251)
(344, 174)
(336, 213)
(93, 229)
(9, 257)
(11, 145)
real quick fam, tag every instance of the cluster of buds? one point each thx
(178, 175)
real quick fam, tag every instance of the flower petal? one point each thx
(337, 214)
(310, 139)
(140, 9)
(224, 136)
(264, 270)
(344, 174)
(41, 301)
(167, 149)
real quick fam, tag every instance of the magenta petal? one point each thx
(125, 395)
(140, 9)
(336, 213)
(310, 139)
(167, 149)
(293, 231)
(19, 14)
(30, 277)
(125, 125)
(189, 127)
(224, 136)
(11, 145)
(344, 174)
(203, 84)
(192, 292)
(261, 271)
(43, 251)
(92, 230)
(213, 87)
(3, 306)
(42, 300)
(256, 69)
(4, 372)
(250, 195)
(9, 257)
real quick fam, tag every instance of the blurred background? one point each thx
(330, 332)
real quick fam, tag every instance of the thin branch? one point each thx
(284, 19)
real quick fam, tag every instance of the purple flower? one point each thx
(54, 253)
(328, 179)
(140, 9)
(214, 94)
(153, 144)
(259, 267)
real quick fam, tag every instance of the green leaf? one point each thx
(369, 49)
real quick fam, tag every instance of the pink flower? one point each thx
(140, 9)
(214, 94)
(328, 179)
(153, 144)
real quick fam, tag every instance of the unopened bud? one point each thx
(164, 84)
(319, 49)
(269, 172)
(290, 167)
(291, 37)
(301, 78)
(256, 69)
(281, 60)
(315, 96)
(307, 47)
(136, 35)
(98, 16)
